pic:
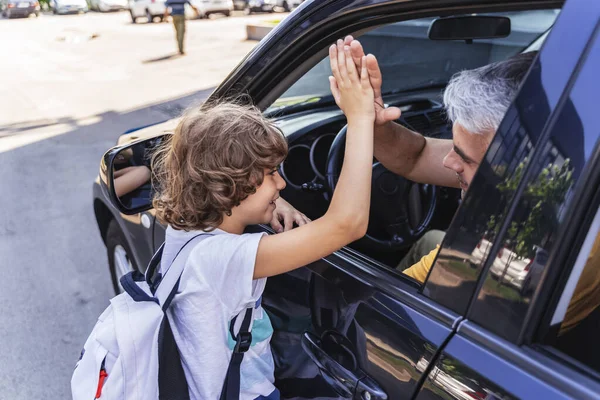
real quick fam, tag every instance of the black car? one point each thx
(19, 8)
(352, 326)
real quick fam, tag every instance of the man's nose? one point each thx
(451, 162)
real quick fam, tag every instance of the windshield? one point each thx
(410, 60)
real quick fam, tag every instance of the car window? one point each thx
(546, 188)
(408, 59)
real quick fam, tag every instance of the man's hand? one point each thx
(288, 214)
(382, 114)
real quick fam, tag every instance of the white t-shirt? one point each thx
(215, 287)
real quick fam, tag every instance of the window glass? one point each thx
(529, 234)
(409, 60)
(469, 239)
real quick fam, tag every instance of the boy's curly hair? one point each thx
(214, 160)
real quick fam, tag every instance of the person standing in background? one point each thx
(176, 8)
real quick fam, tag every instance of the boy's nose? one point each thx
(280, 182)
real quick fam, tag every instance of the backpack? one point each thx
(131, 353)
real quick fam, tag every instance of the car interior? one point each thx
(401, 211)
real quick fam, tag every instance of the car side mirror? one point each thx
(469, 27)
(126, 172)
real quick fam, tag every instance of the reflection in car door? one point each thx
(344, 322)
(494, 354)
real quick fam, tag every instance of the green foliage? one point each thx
(542, 199)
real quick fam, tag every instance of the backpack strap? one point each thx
(243, 340)
(169, 282)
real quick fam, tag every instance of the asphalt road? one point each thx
(69, 86)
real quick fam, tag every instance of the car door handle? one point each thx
(350, 384)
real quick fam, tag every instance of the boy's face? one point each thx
(258, 207)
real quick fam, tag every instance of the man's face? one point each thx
(467, 153)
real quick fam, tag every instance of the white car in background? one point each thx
(152, 9)
(68, 6)
(207, 7)
(521, 273)
(108, 5)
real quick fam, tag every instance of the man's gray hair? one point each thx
(478, 99)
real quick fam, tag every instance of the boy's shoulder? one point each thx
(223, 245)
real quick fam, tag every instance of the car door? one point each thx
(513, 343)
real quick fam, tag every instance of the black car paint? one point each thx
(396, 332)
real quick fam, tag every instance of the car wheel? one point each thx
(227, 13)
(133, 18)
(120, 260)
(149, 17)
(286, 6)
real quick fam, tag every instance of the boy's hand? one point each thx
(351, 89)
(382, 114)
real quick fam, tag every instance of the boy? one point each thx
(217, 175)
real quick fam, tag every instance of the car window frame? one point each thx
(364, 16)
(569, 236)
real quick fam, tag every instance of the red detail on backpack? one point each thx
(103, 376)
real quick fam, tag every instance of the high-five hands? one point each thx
(350, 84)
(382, 114)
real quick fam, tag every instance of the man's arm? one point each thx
(412, 155)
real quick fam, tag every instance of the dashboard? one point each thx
(310, 136)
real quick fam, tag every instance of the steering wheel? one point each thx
(401, 210)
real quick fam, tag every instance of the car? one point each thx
(69, 6)
(150, 9)
(521, 272)
(208, 7)
(351, 325)
(251, 6)
(295, 3)
(108, 5)
(18, 8)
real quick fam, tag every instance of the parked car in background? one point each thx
(208, 7)
(150, 9)
(353, 326)
(521, 273)
(295, 3)
(108, 5)
(68, 6)
(155, 9)
(19, 8)
(250, 6)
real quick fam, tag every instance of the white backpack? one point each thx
(131, 353)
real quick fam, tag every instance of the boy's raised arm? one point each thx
(347, 218)
(402, 151)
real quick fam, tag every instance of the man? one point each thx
(475, 101)
(177, 10)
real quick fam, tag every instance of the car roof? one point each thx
(313, 17)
